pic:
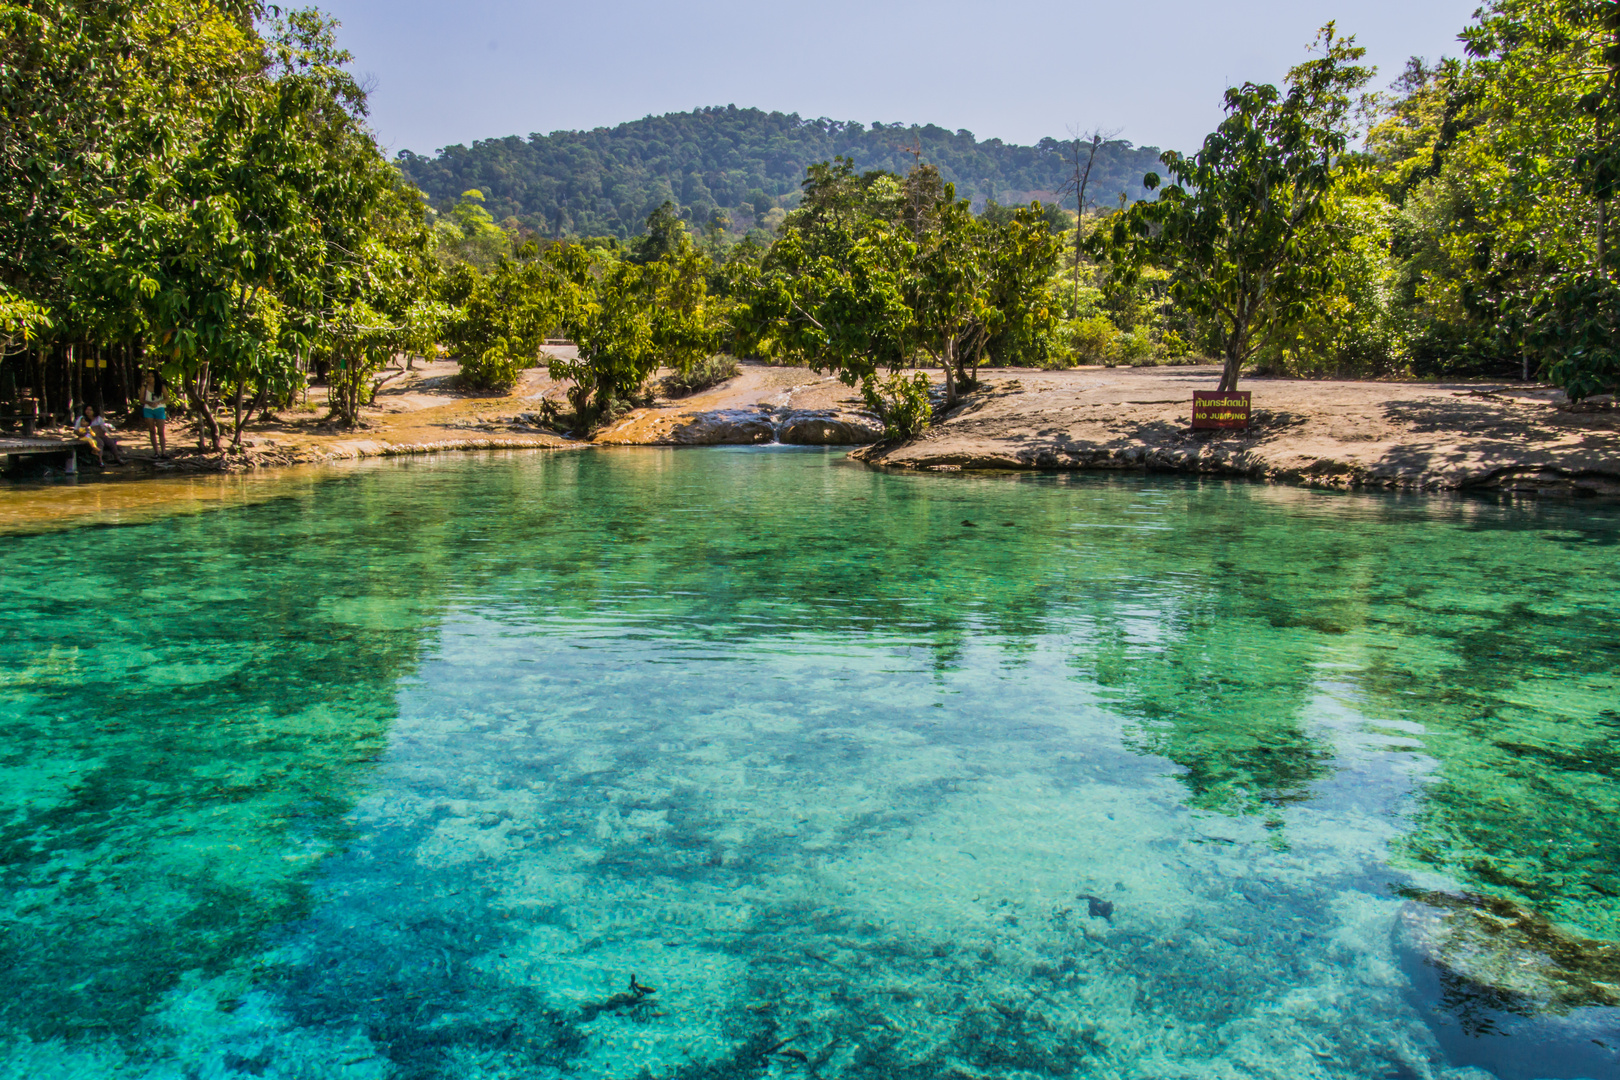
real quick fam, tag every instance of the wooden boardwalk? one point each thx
(18, 447)
(38, 445)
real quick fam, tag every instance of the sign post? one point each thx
(1220, 409)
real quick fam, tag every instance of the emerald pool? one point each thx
(430, 769)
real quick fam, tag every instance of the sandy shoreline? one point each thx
(1413, 436)
(1379, 435)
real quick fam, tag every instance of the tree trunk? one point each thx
(1602, 237)
(197, 391)
(261, 402)
(950, 373)
(123, 355)
(1079, 230)
(236, 420)
(1234, 362)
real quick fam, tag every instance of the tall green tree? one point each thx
(468, 234)
(86, 90)
(1235, 227)
(873, 270)
(1546, 77)
(499, 321)
(629, 317)
(831, 295)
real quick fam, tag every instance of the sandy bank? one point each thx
(1400, 435)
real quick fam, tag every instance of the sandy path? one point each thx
(1411, 435)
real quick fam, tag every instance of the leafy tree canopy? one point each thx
(1239, 228)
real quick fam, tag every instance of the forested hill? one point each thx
(742, 161)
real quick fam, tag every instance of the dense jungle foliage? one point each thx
(192, 183)
(741, 163)
(192, 187)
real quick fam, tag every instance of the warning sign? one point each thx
(1220, 409)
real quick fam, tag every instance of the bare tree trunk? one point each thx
(236, 425)
(949, 364)
(1080, 216)
(197, 391)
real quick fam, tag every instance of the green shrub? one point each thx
(493, 369)
(711, 371)
(1135, 347)
(901, 402)
(1092, 340)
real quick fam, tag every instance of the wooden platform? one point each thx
(12, 444)
(17, 447)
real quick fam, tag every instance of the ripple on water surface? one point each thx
(740, 763)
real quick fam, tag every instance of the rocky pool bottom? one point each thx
(744, 763)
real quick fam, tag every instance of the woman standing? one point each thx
(154, 408)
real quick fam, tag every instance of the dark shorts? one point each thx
(159, 413)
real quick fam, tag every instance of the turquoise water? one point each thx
(431, 769)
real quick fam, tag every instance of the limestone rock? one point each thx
(723, 427)
(828, 429)
(1505, 951)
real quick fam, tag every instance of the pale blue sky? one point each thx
(452, 72)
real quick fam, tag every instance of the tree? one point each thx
(468, 234)
(664, 234)
(831, 295)
(604, 181)
(378, 283)
(91, 89)
(627, 317)
(1081, 156)
(873, 270)
(1235, 226)
(610, 322)
(499, 321)
(1547, 80)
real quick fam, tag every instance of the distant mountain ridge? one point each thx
(605, 182)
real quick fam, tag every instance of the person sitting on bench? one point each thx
(94, 431)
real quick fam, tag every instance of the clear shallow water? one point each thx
(408, 773)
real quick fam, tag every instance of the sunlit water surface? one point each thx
(432, 769)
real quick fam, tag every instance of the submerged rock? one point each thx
(1507, 989)
(1505, 950)
(1096, 906)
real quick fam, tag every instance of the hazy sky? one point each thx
(448, 72)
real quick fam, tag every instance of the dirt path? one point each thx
(1408, 435)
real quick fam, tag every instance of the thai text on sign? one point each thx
(1220, 409)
